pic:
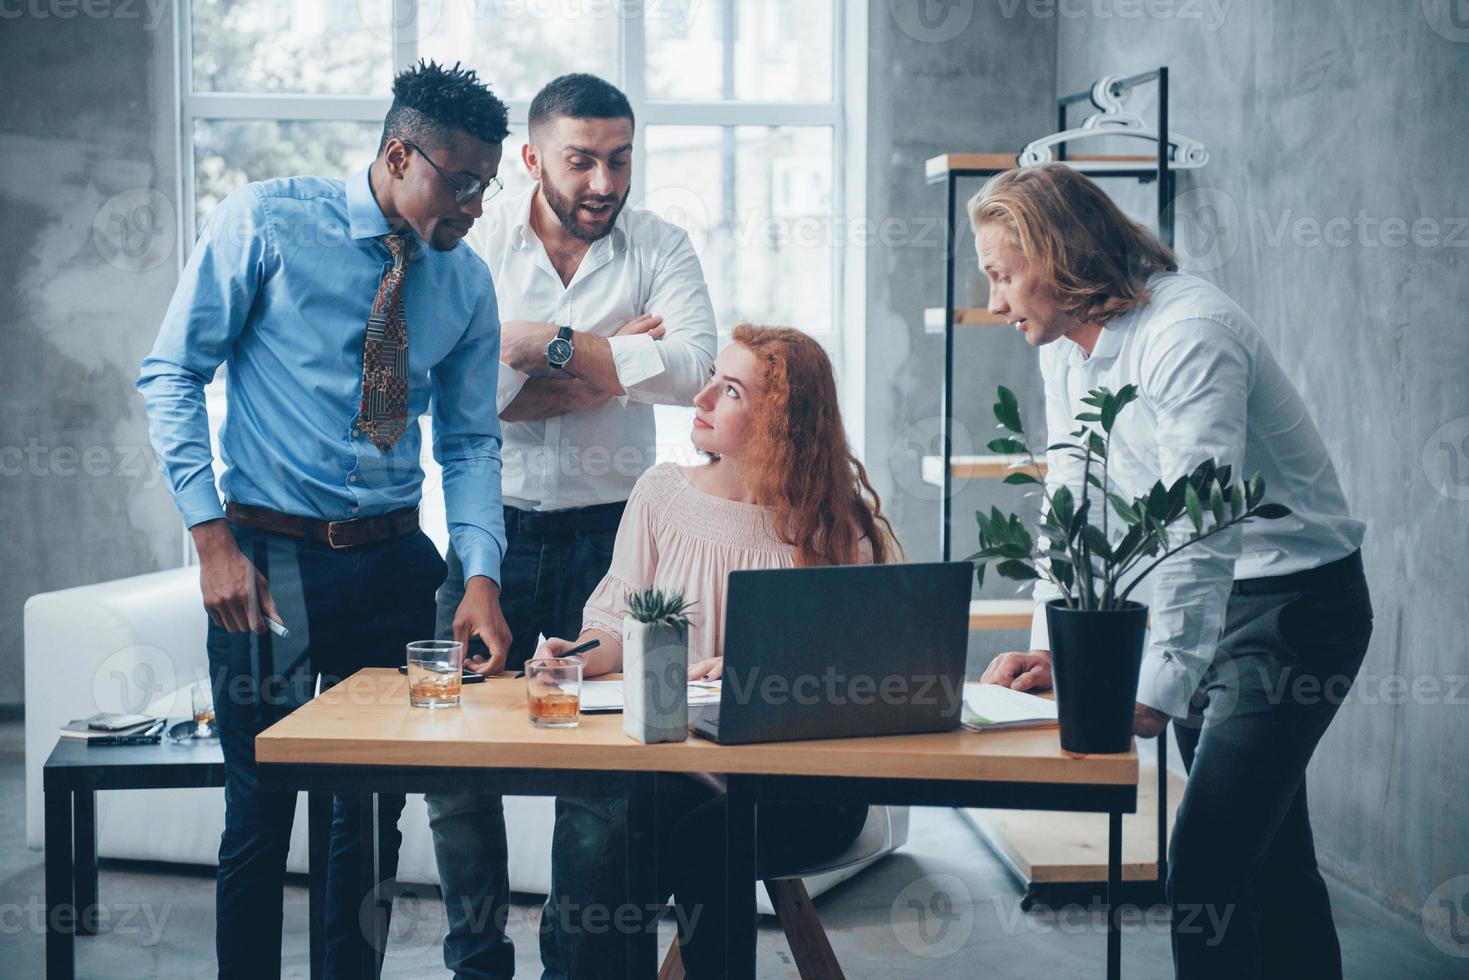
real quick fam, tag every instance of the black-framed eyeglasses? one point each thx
(466, 191)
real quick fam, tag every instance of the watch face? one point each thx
(559, 350)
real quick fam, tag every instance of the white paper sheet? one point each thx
(992, 707)
(606, 696)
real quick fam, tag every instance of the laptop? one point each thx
(841, 651)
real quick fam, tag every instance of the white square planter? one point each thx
(655, 671)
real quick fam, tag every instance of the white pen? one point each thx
(279, 629)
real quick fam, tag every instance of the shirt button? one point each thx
(356, 433)
(352, 478)
(353, 509)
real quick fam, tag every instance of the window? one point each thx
(739, 105)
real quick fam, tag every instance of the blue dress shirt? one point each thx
(279, 286)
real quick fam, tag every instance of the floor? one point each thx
(942, 907)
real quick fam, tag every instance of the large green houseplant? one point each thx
(1096, 630)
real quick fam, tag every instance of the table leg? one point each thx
(84, 860)
(371, 919)
(60, 907)
(1163, 810)
(739, 877)
(318, 846)
(1114, 895)
(642, 886)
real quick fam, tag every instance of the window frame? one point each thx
(631, 61)
(844, 114)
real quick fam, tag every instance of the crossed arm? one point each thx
(590, 380)
(544, 398)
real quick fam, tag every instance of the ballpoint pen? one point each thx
(580, 648)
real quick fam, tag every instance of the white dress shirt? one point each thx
(1208, 388)
(645, 265)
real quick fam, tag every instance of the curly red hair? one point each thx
(797, 460)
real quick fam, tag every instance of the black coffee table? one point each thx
(72, 776)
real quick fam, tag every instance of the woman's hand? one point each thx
(707, 670)
(552, 648)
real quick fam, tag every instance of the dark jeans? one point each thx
(345, 610)
(1247, 899)
(590, 925)
(552, 563)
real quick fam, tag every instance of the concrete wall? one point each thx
(941, 79)
(1348, 118)
(88, 154)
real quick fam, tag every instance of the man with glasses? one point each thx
(342, 309)
(466, 188)
(606, 313)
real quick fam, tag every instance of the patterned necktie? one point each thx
(383, 415)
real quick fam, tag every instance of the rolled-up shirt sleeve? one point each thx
(1196, 374)
(466, 440)
(508, 385)
(208, 311)
(671, 370)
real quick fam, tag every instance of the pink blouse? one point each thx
(674, 536)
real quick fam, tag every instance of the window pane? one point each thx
(772, 50)
(328, 47)
(757, 201)
(519, 47)
(231, 152)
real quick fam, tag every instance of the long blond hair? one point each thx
(1095, 259)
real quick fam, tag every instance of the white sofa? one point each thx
(137, 644)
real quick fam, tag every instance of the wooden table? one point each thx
(362, 737)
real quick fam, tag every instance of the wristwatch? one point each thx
(559, 350)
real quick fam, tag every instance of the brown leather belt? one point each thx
(339, 534)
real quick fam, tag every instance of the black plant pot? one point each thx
(1095, 659)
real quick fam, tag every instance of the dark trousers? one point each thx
(1246, 896)
(345, 610)
(553, 562)
(589, 929)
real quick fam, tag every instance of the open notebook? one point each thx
(990, 708)
(606, 696)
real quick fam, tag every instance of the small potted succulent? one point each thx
(1096, 630)
(655, 666)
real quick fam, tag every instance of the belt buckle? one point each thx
(331, 534)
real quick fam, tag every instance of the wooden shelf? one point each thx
(964, 316)
(976, 467)
(1001, 614)
(1047, 847)
(939, 167)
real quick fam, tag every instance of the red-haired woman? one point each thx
(781, 489)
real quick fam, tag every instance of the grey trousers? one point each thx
(1245, 894)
